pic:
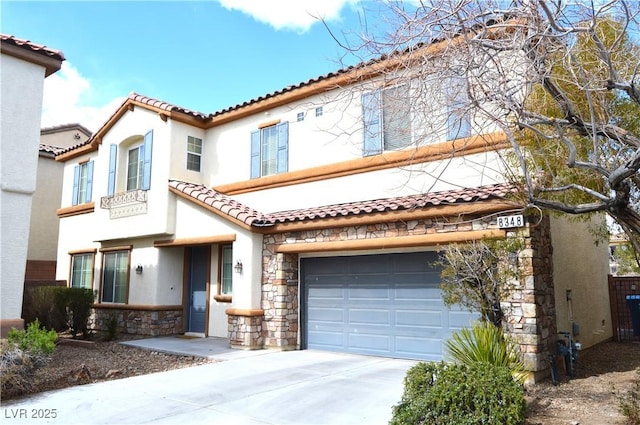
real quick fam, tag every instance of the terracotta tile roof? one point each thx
(166, 106)
(291, 88)
(49, 149)
(223, 203)
(28, 45)
(249, 216)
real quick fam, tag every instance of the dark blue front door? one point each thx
(198, 276)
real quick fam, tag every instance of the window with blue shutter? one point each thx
(146, 160)
(255, 154)
(283, 147)
(111, 187)
(458, 116)
(82, 183)
(270, 150)
(386, 120)
(371, 113)
(76, 184)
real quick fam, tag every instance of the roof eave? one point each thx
(51, 64)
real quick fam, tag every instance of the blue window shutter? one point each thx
(458, 118)
(283, 146)
(111, 188)
(255, 154)
(89, 180)
(371, 112)
(146, 162)
(76, 183)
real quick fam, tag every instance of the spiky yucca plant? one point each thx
(486, 343)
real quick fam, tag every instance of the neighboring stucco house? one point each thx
(307, 218)
(23, 68)
(43, 235)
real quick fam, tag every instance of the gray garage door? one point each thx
(385, 305)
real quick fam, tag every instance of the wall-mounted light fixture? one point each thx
(513, 258)
(238, 267)
(139, 269)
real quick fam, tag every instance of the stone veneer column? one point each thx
(280, 300)
(245, 328)
(531, 311)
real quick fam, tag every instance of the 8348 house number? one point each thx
(509, 221)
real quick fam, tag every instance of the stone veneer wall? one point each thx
(531, 311)
(245, 331)
(279, 297)
(140, 322)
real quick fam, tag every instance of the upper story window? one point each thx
(82, 183)
(386, 120)
(269, 150)
(319, 111)
(138, 167)
(458, 114)
(194, 153)
(300, 116)
(135, 167)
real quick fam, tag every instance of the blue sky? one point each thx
(201, 55)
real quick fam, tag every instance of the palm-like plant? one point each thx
(486, 343)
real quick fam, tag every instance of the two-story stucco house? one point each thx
(23, 67)
(307, 218)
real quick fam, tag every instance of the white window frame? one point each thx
(81, 275)
(226, 270)
(270, 150)
(139, 169)
(119, 276)
(194, 154)
(387, 121)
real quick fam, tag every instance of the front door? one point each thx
(197, 279)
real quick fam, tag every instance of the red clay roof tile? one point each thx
(37, 48)
(49, 149)
(203, 195)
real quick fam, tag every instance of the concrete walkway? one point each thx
(210, 348)
(259, 387)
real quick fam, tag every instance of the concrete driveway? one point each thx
(292, 387)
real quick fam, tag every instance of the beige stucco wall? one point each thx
(43, 237)
(21, 87)
(581, 266)
(337, 136)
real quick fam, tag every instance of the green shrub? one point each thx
(33, 340)
(79, 302)
(444, 394)
(486, 343)
(48, 305)
(61, 308)
(21, 355)
(630, 403)
(112, 327)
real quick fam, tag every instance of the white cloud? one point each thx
(297, 15)
(66, 100)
